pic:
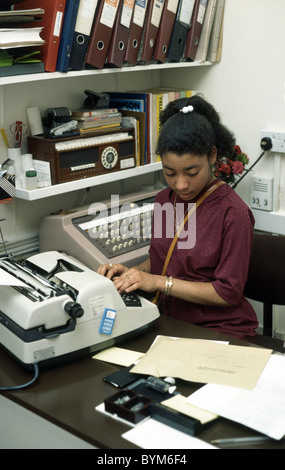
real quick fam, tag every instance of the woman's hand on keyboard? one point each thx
(110, 270)
(133, 279)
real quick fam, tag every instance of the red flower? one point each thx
(237, 149)
(227, 168)
(237, 167)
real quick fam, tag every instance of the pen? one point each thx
(239, 440)
(4, 135)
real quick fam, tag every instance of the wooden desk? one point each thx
(67, 395)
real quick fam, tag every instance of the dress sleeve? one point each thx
(232, 270)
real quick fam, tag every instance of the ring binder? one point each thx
(136, 31)
(120, 35)
(152, 22)
(83, 25)
(52, 26)
(194, 33)
(67, 33)
(180, 30)
(101, 33)
(165, 30)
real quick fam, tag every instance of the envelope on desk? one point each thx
(119, 356)
(204, 362)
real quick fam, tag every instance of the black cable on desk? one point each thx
(20, 387)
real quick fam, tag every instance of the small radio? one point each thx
(77, 157)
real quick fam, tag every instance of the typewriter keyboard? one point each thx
(120, 233)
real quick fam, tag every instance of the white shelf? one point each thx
(82, 73)
(108, 177)
(57, 189)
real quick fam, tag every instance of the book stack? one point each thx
(80, 34)
(160, 98)
(97, 119)
(145, 107)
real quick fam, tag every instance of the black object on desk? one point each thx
(121, 378)
(175, 419)
(128, 405)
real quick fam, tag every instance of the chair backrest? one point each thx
(266, 276)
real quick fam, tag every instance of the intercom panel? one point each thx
(261, 193)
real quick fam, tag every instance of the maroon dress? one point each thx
(220, 255)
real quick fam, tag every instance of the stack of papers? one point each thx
(262, 408)
(19, 37)
(244, 384)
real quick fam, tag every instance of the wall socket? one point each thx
(261, 196)
(277, 138)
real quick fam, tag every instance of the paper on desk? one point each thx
(204, 362)
(179, 403)
(119, 356)
(262, 408)
(154, 435)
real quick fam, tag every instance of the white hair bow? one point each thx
(187, 109)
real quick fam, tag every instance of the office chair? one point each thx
(266, 276)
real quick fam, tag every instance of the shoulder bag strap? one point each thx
(189, 213)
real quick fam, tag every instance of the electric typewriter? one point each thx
(54, 309)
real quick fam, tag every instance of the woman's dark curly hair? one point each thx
(195, 132)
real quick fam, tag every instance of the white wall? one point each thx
(248, 86)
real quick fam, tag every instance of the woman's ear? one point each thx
(213, 155)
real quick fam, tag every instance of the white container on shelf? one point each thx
(31, 180)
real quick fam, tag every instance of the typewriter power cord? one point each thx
(20, 387)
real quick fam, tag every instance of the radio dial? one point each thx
(109, 158)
